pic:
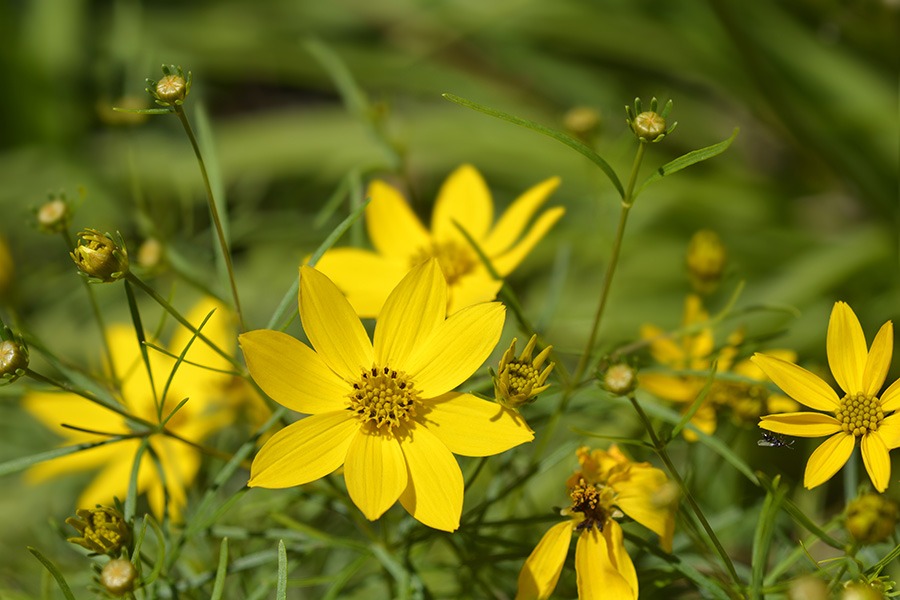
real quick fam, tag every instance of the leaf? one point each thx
(762, 538)
(281, 589)
(686, 160)
(556, 135)
(131, 499)
(60, 580)
(20, 464)
(221, 571)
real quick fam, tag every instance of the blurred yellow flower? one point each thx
(859, 413)
(387, 413)
(401, 241)
(207, 410)
(607, 487)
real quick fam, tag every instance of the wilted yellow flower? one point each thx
(859, 413)
(607, 487)
(99, 257)
(204, 413)
(102, 530)
(401, 241)
(387, 413)
(520, 380)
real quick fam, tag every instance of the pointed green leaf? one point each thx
(60, 580)
(686, 160)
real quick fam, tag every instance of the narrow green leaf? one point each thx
(799, 515)
(354, 98)
(60, 580)
(131, 498)
(762, 538)
(144, 111)
(686, 160)
(20, 464)
(160, 550)
(221, 571)
(206, 142)
(281, 589)
(141, 338)
(695, 405)
(559, 136)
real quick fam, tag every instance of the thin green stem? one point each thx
(214, 211)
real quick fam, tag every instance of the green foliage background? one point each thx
(806, 199)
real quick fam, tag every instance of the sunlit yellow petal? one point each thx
(456, 349)
(638, 497)
(509, 260)
(877, 460)
(542, 568)
(663, 348)
(219, 329)
(464, 197)
(393, 227)
(670, 387)
(304, 451)
(890, 399)
(375, 472)
(801, 424)
(777, 403)
(130, 369)
(798, 383)
(84, 460)
(412, 312)
(54, 409)
(597, 577)
(111, 481)
(846, 348)
(749, 370)
(332, 326)
(366, 278)
(477, 286)
(878, 360)
(615, 543)
(180, 464)
(434, 493)
(889, 431)
(828, 459)
(512, 222)
(453, 417)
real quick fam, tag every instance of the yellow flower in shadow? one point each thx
(169, 465)
(385, 411)
(401, 242)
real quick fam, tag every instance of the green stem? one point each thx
(214, 211)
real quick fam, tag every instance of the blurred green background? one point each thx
(806, 199)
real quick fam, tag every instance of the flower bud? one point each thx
(706, 257)
(808, 587)
(102, 529)
(173, 88)
(13, 358)
(118, 577)
(53, 216)
(99, 257)
(520, 380)
(650, 125)
(871, 518)
(583, 121)
(150, 254)
(620, 379)
(859, 590)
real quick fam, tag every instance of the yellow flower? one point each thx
(387, 413)
(520, 380)
(859, 413)
(203, 414)
(607, 486)
(401, 241)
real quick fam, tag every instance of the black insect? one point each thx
(774, 440)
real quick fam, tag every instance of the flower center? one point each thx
(455, 260)
(859, 414)
(594, 502)
(523, 377)
(384, 397)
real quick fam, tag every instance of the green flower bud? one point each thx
(173, 88)
(860, 590)
(620, 379)
(13, 359)
(582, 121)
(520, 380)
(99, 257)
(53, 216)
(706, 258)
(118, 577)
(871, 518)
(650, 125)
(102, 530)
(808, 587)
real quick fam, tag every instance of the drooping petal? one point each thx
(470, 426)
(291, 373)
(889, 431)
(890, 399)
(542, 568)
(877, 459)
(509, 260)
(597, 577)
(801, 424)
(375, 472)
(798, 383)
(473, 288)
(411, 314)
(619, 556)
(394, 229)
(514, 219)
(638, 497)
(846, 348)
(878, 360)
(365, 277)
(464, 197)
(332, 326)
(456, 348)
(434, 493)
(828, 459)
(304, 451)
(671, 387)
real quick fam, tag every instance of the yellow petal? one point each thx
(877, 460)
(412, 312)
(473, 288)
(828, 459)
(663, 348)
(456, 349)
(798, 383)
(219, 329)
(598, 578)
(670, 387)
(514, 219)
(464, 198)
(375, 472)
(619, 556)
(112, 480)
(332, 326)
(180, 464)
(889, 431)
(130, 369)
(434, 493)
(394, 229)
(890, 399)
(291, 373)
(366, 278)
(704, 420)
(84, 460)
(638, 497)
(304, 451)
(542, 568)
(878, 360)
(777, 403)
(509, 260)
(473, 427)
(53, 409)
(846, 347)
(801, 424)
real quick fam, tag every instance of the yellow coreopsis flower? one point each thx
(384, 411)
(206, 411)
(859, 413)
(607, 486)
(401, 241)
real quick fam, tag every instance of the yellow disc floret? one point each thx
(455, 259)
(859, 414)
(384, 397)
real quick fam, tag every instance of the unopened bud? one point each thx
(173, 88)
(808, 587)
(583, 121)
(706, 257)
(118, 577)
(53, 215)
(99, 257)
(620, 379)
(520, 380)
(150, 254)
(103, 530)
(649, 125)
(859, 590)
(13, 359)
(871, 518)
